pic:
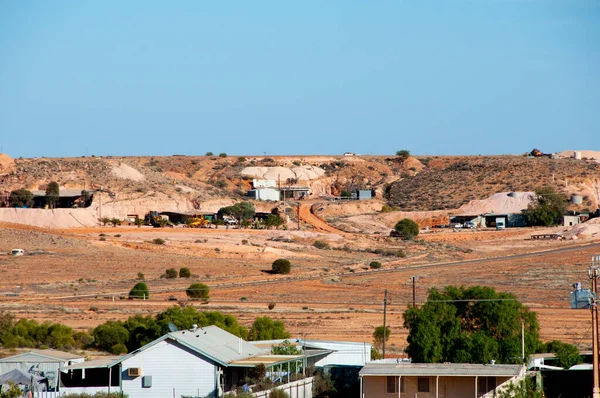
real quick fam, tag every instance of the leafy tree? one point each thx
(139, 222)
(470, 325)
(523, 389)
(403, 154)
(209, 154)
(171, 273)
(380, 334)
(185, 272)
(281, 266)
(407, 229)
(115, 221)
(13, 392)
(198, 291)
(375, 265)
(548, 207)
(567, 355)
(139, 291)
(273, 220)
(105, 220)
(110, 334)
(52, 194)
(21, 198)
(285, 348)
(240, 211)
(222, 155)
(264, 328)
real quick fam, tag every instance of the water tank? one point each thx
(576, 199)
(577, 155)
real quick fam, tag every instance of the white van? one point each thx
(17, 252)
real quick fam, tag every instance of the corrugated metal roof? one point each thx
(42, 356)
(438, 369)
(63, 193)
(217, 344)
(106, 362)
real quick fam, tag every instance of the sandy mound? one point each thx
(302, 173)
(587, 230)
(127, 172)
(7, 164)
(595, 155)
(57, 218)
(503, 202)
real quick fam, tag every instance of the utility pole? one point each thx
(384, 323)
(593, 273)
(298, 216)
(522, 342)
(414, 280)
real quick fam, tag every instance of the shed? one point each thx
(571, 220)
(67, 198)
(365, 194)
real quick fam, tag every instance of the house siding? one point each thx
(175, 371)
(448, 387)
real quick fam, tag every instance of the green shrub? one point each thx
(184, 273)
(140, 276)
(281, 266)
(278, 393)
(271, 306)
(375, 265)
(222, 155)
(407, 229)
(118, 349)
(158, 241)
(403, 154)
(401, 253)
(209, 154)
(139, 291)
(388, 209)
(171, 273)
(321, 244)
(198, 291)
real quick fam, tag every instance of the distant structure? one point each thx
(264, 190)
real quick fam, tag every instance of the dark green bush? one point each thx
(198, 291)
(281, 266)
(171, 273)
(407, 229)
(184, 273)
(321, 244)
(139, 291)
(158, 241)
(375, 265)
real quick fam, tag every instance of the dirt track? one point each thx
(317, 222)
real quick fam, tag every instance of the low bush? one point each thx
(184, 273)
(198, 291)
(278, 393)
(375, 265)
(171, 273)
(321, 244)
(271, 306)
(158, 241)
(139, 291)
(281, 266)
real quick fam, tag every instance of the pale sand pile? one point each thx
(7, 164)
(587, 230)
(57, 218)
(584, 154)
(127, 172)
(302, 173)
(500, 203)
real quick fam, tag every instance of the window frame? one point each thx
(402, 384)
(423, 379)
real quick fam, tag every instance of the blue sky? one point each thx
(306, 77)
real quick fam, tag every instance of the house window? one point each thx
(423, 384)
(485, 384)
(392, 384)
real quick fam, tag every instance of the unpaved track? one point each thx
(318, 223)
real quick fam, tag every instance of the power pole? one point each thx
(414, 289)
(384, 322)
(593, 273)
(298, 216)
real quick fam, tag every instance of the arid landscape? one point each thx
(78, 272)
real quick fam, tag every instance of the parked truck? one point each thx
(500, 224)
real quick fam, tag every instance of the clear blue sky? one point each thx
(298, 77)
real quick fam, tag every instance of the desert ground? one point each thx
(81, 276)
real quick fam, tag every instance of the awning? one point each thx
(107, 362)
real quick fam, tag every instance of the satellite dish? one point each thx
(172, 327)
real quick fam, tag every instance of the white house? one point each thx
(264, 190)
(198, 362)
(40, 362)
(436, 380)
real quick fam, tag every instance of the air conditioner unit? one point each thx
(134, 372)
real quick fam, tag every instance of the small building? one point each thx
(67, 198)
(569, 221)
(364, 194)
(201, 362)
(296, 192)
(43, 363)
(265, 190)
(448, 380)
(511, 220)
(463, 219)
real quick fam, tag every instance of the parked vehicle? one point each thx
(17, 252)
(500, 225)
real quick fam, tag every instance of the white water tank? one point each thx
(576, 199)
(577, 155)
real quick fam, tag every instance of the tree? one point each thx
(403, 154)
(171, 273)
(240, 211)
(185, 273)
(139, 222)
(198, 291)
(264, 328)
(407, 229)
(470, 325)
(524, 388)
(380, 335)
(547, 208)
(52, 194)
(105, 220)
(110, 334)
(209, 154)
(281, 266)
(273, 220)
(285, 348)
(139, 291)
(567, 355)
(21, 198)
(222, 155)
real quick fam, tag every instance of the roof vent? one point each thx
(194, 327)
(493, 362)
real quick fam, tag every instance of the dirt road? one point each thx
(318, 223)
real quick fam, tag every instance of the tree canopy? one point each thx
(52, 194)
(548, 207)
(264, 328)
(240, 211)
(407, 229)
(470, 325)
(21, 198)
(567, 355)
(139, 291)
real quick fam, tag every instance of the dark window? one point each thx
(423, 384)
(392, 384)
(485, 384)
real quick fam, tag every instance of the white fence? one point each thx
(295, 389)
